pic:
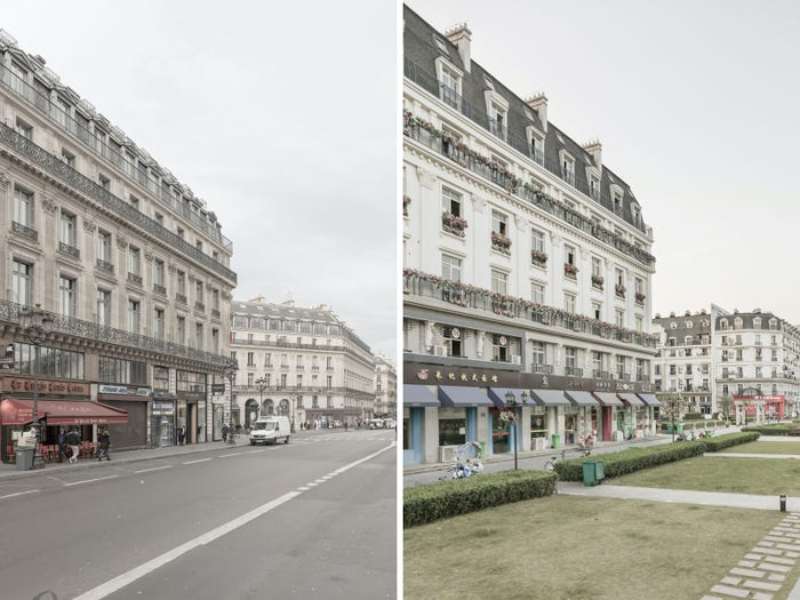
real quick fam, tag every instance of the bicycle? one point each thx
(467, 462)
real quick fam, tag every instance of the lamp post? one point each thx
(511, 402)
(35, 324)
(230, 373)
(261, 384)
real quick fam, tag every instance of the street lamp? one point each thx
(261, 384)
(230, 373)
(511, 402)
(35, 324)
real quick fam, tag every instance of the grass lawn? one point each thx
(766, 447)
(564, 547)
(739, 475)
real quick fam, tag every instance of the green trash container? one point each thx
(555, 440)
(599, 471)
(590, 473)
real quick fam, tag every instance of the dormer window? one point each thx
(616, 201)
(738, 323)
(723, 324)
(757, 323)
(450, 87)
(537, 149)
(636, 213)
(568, 169)
(497, 121)
(773, 323)
(594, 187)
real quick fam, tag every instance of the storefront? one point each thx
(133, 400)
(610, 422)
(417, 400)
(162, 420)
(584, 407)
(467, 401)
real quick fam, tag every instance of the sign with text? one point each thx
(64, 388)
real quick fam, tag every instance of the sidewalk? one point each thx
(624, 492)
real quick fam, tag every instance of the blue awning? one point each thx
(581, 398)
(454, 396)
(608, 399)
(649, 399)
(498, 396)
(550, 397)
(420, 395)
(632, 400)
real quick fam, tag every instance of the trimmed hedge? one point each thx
(427, 503)
(715, 444)
(775, 429)
(631, 460)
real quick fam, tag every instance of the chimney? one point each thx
(461, 36)
(538, 102)
(595, 149)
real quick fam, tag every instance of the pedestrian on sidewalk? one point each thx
(62, 445)
(104, 444)
(181, 435)
(225, 431)
(73, 439)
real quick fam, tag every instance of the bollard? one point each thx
(783, 503)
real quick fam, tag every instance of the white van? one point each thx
(269, 430)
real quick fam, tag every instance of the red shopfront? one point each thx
(774, 406)
(60, 405)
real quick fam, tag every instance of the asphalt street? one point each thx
(312, 519)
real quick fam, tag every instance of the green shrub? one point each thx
(715, 444)
(631, 460)
(427, 503)
(774, 429)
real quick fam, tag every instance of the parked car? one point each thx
(270, 430)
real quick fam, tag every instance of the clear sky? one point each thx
(696, 106)
(281, 115)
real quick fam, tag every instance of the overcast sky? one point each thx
(696, 106)
(280, 115)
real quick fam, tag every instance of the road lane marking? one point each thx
(19, 494)
(106, 589)
(192, 462)
(153, 469)
(304, 488)
(90, 480)
(229, 455)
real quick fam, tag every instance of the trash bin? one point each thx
(593, 473)
(25, 459)
(555, 440)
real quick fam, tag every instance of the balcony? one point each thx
(573, 371)
(623, 376)
(57, 168)
(597, 282)
(640, 298)
(501, 243)
(181, 299)
(68, 250)
(24, 231)
(570, 271)
(135, 279)
(104, 266)
(199, 306)
(14, 314)
(215, 313)
(542, 369)
(600, 374)
(300, 367)
(160, 290)
(454, 224)
(315, 368)
(619, 290)
(538, 258)
(422, 285)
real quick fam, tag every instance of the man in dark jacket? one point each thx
(73, 439)
(104, 444)
(225, 430)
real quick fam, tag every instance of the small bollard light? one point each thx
(783, 503)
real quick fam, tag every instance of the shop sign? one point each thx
(442, 375)
(123, 390)
(163, 407)
(17, 385)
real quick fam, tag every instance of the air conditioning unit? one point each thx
(516, 359)
(447, 454)
(440, 350)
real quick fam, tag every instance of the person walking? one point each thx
(73, 439)
(180, 435)
(62, 445)
(104, 441)
(225, 431)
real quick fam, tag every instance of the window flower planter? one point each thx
(406, 202)
(620, 290)
(538, 258)
(640, 298)
(501, 243)
(597, 281)
(570, 270)
(453, 224)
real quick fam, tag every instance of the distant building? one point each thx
(385, 387)
(304, 363)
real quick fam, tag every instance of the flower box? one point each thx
(570, 270)
(501, 243)
(453, 224)
(640, 298)
(597, 281)
(538, 257)
(620, 290)
(406, 202)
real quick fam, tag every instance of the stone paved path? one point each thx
(764, 570)
(626, 492)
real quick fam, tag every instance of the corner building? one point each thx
(128, 262)
(304, 363)
(527, 267)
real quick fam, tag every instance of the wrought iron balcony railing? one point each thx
(24, 231)
(424, 285)
(200, 306)
(68, 250)
(135, 279)
(99, 147)
(573, 371)
(59, 324)
(542, 368)
(59, 169)
(159, 289)
(600, 374)
(287, 344)
(215, 313)
(181, 299)
(104, 266)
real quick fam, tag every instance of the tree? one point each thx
(674, 404)
(725, 405)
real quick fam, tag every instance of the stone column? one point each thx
(6, 200)
(431, 435)
(430, 208)
(525, 429)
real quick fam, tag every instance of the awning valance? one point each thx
(498, 396)
(649, 399)
(608, 399)
(581, 398)
(420, 395)
(632, 400)
(60, 412)
(454, 396)
(550, 397)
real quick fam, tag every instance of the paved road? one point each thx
(312, 519)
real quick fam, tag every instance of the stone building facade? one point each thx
(385, 387)
(301, 362)
(131, 267)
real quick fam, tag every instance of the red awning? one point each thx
(60, 412)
